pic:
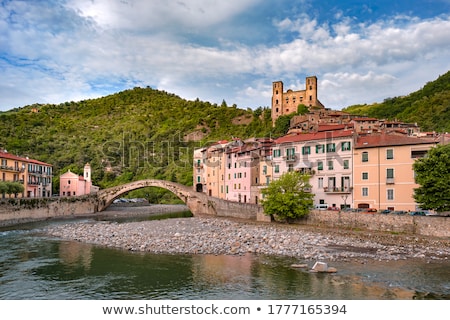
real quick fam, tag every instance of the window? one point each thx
(264, 169)
(365, 176)
(277, 168)
(365, 156)
(276, 153)
(198, 179)
(290, 153)
(331, 147)
(320, 148)
(330, 164)
(365, 192)
(346, 164)
(306, 150)
(390, 194)
(346, 146)
(390, 173)
(320, 183)
(319, 165)
(390, 154)
(291, 167)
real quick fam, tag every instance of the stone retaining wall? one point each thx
(420, 225)
(25, 210)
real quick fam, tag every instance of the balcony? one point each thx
(290, 158)
(341, 190)
(12, 169)
(390, 181)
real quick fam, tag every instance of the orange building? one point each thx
(383, 170)
(36, 176)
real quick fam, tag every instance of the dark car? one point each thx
(385, 211)
(418, 213)
(400, 212)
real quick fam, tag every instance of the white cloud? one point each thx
(59, 53)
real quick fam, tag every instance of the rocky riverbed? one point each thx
(210, 235)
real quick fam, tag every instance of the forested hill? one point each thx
(135, 134)
(429, 106)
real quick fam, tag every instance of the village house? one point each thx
(326, 156)
(36, 176)
(383, 170)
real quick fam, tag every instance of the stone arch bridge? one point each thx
(198, 203)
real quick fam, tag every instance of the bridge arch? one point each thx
(196, 202)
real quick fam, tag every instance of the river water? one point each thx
(33, 266)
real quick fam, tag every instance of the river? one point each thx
(34, 266)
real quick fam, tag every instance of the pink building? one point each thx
(326, 156)
(71, 184)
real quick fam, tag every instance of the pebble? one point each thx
(210, 235)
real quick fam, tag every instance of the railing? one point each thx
(290, 158)
(337, 189)
(9, 168)
(390, 181)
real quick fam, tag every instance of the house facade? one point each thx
(383, 170)
(326, 156)
(36, 176)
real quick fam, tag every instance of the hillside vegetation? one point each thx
(135, 134)
(429, 106)
(144, 133)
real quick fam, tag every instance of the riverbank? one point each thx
(224, 236)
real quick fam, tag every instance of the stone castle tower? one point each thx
(284, 103)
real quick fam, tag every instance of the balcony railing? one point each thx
(390, 181)
(337, 189)
(14, 169)
(290, 158)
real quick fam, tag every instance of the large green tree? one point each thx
(433, 176)
(288, 197)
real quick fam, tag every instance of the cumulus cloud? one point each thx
(57, 51)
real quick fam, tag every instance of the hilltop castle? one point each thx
(284, 103)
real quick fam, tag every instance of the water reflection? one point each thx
(35, 267)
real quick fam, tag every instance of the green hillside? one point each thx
(429, 106)
(135, 134)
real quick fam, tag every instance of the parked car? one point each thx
(418, 213)
(321, 206)
(386, 211)
(333, 208)
(400, 212)
(370, 210)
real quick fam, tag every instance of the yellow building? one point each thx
(383, 170)
(36, 176)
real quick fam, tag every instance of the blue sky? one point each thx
(361, 51)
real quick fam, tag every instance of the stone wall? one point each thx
(16, 211)
(420, 225)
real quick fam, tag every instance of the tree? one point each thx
(433, 176)
(288, 197)
(10, 188)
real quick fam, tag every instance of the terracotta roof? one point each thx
(314, 136)
(6, 155)
(380, 140)
(329, 127)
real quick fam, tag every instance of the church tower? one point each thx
(87, 172)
